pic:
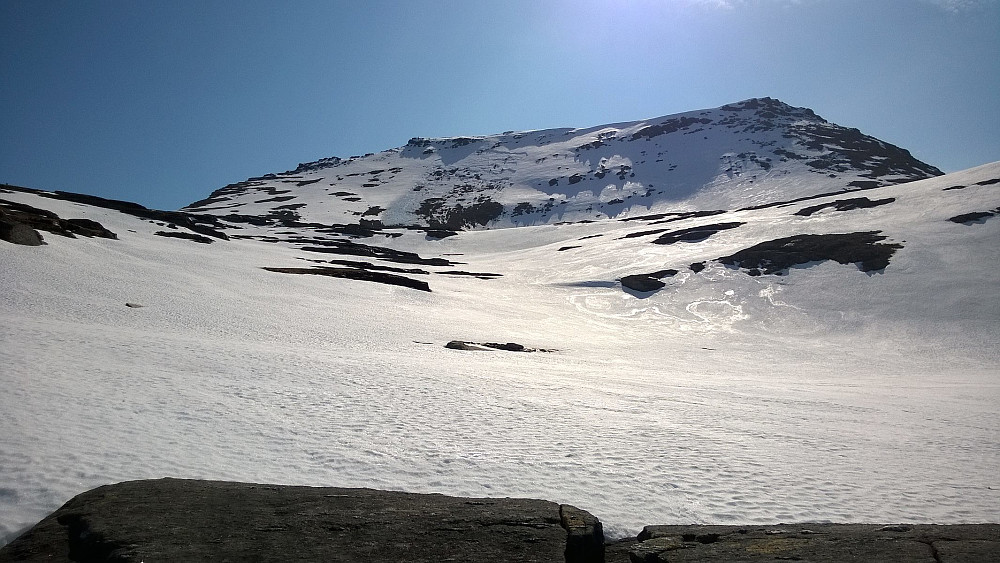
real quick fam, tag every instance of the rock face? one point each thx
(833, 543)
(19, 233)
(188, 520)
(19, 221)
(191, 520)
(203, 224)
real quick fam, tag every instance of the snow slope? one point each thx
(826, 393)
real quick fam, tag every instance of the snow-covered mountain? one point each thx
(744, 314)
(748, 153)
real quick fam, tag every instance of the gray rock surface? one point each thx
(19, 233)
(868, 543)
(191, 520)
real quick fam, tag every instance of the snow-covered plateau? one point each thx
(859, 382)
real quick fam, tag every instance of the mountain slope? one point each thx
(753, 152)
(802, 355)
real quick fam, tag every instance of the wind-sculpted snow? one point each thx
(823, 394)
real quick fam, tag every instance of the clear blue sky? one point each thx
(161, 102)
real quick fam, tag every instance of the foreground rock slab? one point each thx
(191, 520)
(869, 543)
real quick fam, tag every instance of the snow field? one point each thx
(824, 395)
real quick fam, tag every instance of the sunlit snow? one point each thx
(828, 394)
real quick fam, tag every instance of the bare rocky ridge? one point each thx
(18, 224)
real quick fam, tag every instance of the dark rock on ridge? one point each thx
(357, 274)
(486, 346)
(369, 266)
(477, 275)
(642, 283)
(774, 256)
(18, 221)
(350, 248)
(183, 235)
(845, 205)
(669, 126)
(440, 233)
(695, 234)
(857, 151)
(441, 215)
(982, 183)
(645, 283)
(201, 224)
(974, 217)
(19, 233)
(788, 202)
(189, 520)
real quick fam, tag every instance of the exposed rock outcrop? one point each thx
(974, 217)
(774, 256)
(357, 274)
(845, 205)
(645, 283)
(819, 543)
(486, 346)
(193, 520)
(202, 224)
(189, 520)
(184, 235)
(19, 233)
(18, 224)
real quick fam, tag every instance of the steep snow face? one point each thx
(749, 153)
(829, 359)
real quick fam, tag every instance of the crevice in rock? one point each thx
(87, 545)
(584, 535)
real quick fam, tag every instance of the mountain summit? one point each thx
(753, 152)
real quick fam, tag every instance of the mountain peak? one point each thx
(769, 108)
(753, 152)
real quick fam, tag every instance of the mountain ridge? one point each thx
(757, 151)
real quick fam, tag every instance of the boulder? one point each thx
(19, 233)
(193, 520)
(642, 283)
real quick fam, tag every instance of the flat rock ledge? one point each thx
(817, 543)
(193, 520)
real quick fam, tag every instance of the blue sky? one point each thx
(163, 102)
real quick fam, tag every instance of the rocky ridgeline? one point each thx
(191, 520)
